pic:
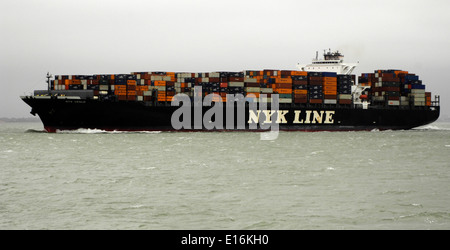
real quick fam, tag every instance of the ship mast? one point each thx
(48, 81)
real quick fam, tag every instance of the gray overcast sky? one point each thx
(111, 36)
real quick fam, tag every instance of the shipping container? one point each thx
(236, 84)
(315, 101)
(346, 102)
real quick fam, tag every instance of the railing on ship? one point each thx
(437, 101)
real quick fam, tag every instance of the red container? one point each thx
(252, 84)
(315, 101)
(235, 79)
(303, 100)
(345, 101)
(299, 82)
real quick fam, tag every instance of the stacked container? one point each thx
(344, 89)
(330, 88)
(395, 88)
(292, 86)
(300, 86)
(315, 89)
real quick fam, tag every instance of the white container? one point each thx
(104, 87)
(156, 78)
(253, 89)
(285, 100)
(266, 90)
(214, 74)
(393, 103)
(417, 91)
(248, 79)
(236, 84)
(418, 103)
(378, 98)
(345, 97)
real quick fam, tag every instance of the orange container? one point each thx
(120, 92)
(160, 83)
(131, 92)
(283, 80)
(330, 79)
(223, 84)
(256, 94)
(284, 91)
(330, 84)
(120, 87)
(301, 91)
(76, 81)
(329, 88)
(299, 73)
(283, 85)
(131, 82)
(328, 92)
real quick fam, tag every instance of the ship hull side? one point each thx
(64, 114)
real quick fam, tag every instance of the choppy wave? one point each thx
(101, 131)
(35, 131)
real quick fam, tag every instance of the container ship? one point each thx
(321, 96)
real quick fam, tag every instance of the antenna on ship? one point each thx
(48, 80)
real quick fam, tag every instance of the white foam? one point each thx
(431, 127)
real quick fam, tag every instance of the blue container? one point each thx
(417, 86)
(131, 77)
(316, 87)
(120, 81)
(299, 78)
(300, 86)
(285, 95)
(344, 91)
(329, 74)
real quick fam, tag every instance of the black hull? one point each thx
(71, 114)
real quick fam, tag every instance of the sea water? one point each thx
(92, 179)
